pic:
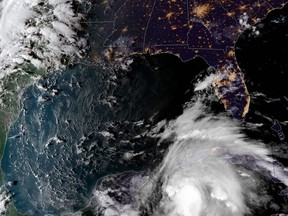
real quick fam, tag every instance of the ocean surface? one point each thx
(81, 124)
(47, 153)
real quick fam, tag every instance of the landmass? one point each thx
(187, 29)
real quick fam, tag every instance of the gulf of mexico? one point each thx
(48, 159)
(75, 126)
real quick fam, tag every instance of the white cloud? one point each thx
(208, 81)
(5, 199)
(40, 32)
(110, 207)
(244, 21)
(197, 178)
(185, 198)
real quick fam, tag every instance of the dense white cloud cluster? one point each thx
(110, 207)
(199, 173)
(210, 169)
(40, 32)
(4, 200)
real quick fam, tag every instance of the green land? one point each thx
(13, 86)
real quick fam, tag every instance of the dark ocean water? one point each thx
(75, 126)
(263, 60)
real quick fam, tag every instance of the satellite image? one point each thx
(144, 107)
